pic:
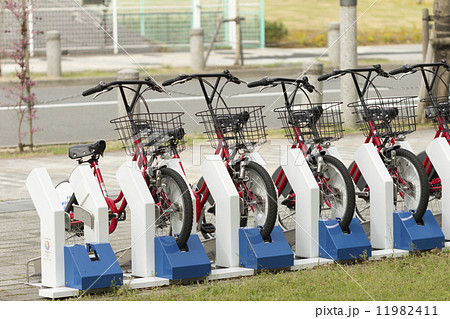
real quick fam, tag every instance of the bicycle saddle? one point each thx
(79, 151)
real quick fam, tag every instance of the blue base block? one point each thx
(337, 245)
(410, 236)
(256, 254)
(174, 264)
(91, 266)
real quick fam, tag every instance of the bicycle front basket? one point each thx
(150, 132)
(389, 116)
(237, 126)
(318, 122)
(438, 110)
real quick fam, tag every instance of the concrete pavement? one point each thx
(394, 54)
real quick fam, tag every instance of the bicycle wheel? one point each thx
(411, 186)
(337, 195)
(175, 207)
(260, 201)
(362, 194)
(434, 181)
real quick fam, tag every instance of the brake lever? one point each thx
(318, 92)
(102, 92)
(268, 87)
(180, 81)
(404, 74)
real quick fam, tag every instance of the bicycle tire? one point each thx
(422, 199)
(417, 204)
(258, 176)
(347, 192)
(173, 195)
(287, 199)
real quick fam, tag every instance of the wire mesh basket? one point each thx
(438, 110)
(389, 116)
(317, 122)
(237, 126)
(151, 132)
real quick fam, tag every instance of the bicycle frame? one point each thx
(299, 141)
(442, 129)
(117, 205)
(222, 149)
(372, 136)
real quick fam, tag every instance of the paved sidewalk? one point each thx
(20, 226)
(397, 54)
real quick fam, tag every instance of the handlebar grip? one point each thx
(405, 68)
(263, 82)
(100, 87)
(328, 75)
(172, 81)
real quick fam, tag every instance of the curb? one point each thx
(256, 72)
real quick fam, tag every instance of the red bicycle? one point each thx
(311, 127)
(233, 132)
(384, 121)
(147, 137)
(438, 110)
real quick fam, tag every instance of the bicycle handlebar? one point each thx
(376, 68)
(329, 75)
(181, 78)
(265, 81)
(102, 86)
(409, 68)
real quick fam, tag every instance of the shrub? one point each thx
(275, 32)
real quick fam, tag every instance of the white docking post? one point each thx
(307, 203)
(381, 196)
(227, 210)
(89, 196)
(257, 158)
(51, 215)
(439, 153)
(142, 207)
(333, 151)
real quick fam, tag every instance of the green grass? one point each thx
(419, 276)
(49, 150)
(316, 14)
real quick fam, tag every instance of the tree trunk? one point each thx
(441, 42)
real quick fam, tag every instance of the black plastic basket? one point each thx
(389, 116)
(150, 132)
(237, 126)
(317, 122)
(438, 110)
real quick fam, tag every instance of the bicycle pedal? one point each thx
(123, 217)
(208, 228)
